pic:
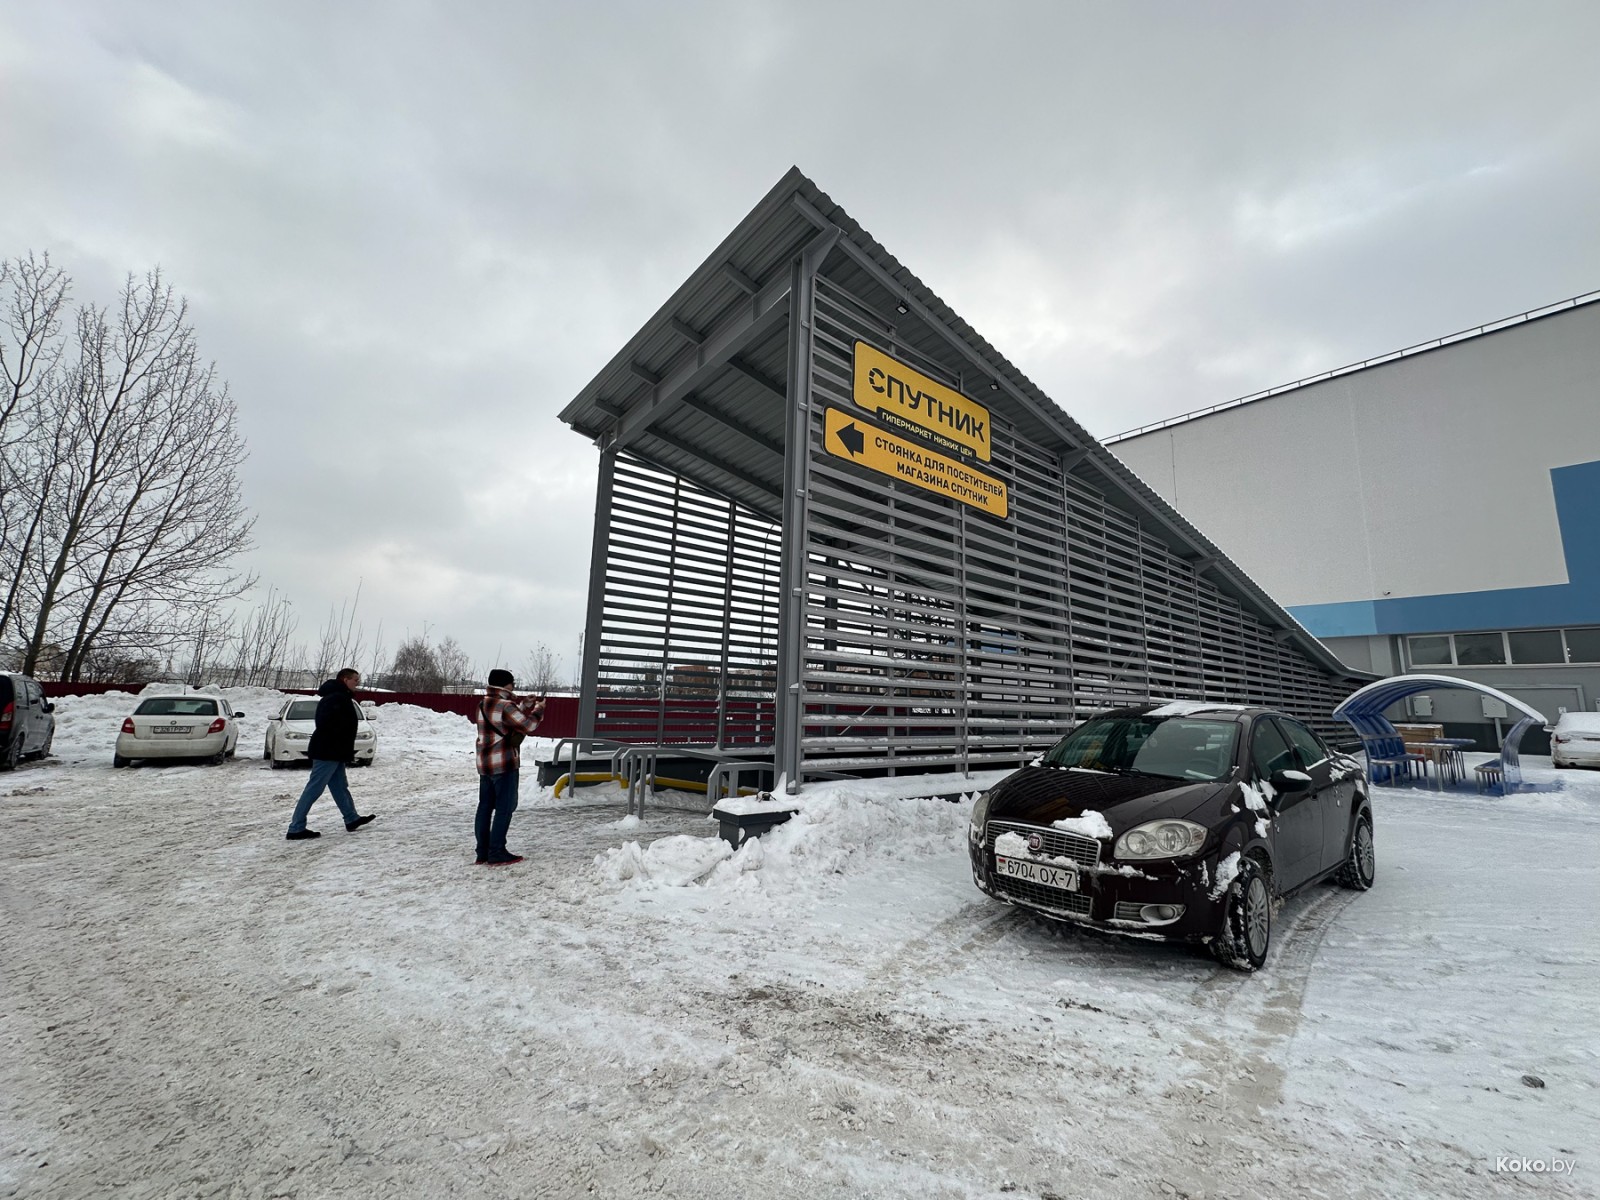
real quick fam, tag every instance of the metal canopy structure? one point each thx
(1364, 710)
(782, 565)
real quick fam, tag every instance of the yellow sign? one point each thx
(910, 400)
(845, 437)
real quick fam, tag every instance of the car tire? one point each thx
(49, 741)
(118, 761)
(266, 754)
(13, 754)
(1360, 867)
(217, 759)
(1245, 935)
(277, 763)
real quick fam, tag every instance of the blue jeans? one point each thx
(329, 775)
(497, 800)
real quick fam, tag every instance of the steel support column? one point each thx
(790, 700)
(595, 615)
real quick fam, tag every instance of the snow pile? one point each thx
(1090, 824)
(1255, 799)
(1227, 872)
(87, 726)
(842, 833)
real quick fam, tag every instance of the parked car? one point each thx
(289, 732)
(1575, 740)
(184, 726)
(1178, 821)
(27, 721)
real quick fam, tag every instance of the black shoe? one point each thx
(505, 861)
(352, 826)
(294, 835)
(479, 861)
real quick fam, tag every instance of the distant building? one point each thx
(1435, 511)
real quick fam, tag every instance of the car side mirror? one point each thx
(237, 715)
(48, 707)
(1287, 783)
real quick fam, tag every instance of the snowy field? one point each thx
(192, 1006)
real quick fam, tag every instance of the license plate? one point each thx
(1051, 875)
(171, 728)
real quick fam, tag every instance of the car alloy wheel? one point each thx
(1245, 933)
(1360, 868)
(1257, 918)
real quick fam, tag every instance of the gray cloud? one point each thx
(412, 232)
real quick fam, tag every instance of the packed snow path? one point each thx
(192, 1006)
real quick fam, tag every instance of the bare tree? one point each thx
(416, 668)
(130, 494)
(542, 673)
(30, 355)
(258, 654)
(454, 665)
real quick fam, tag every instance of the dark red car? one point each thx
(1182, 820)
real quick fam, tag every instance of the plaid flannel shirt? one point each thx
(499, 714)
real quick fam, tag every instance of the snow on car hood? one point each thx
(1046, 795)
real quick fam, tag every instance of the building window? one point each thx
(1480, 649)
(1536, 646)
(1429, 651)
(1524, 647)
(1583, 645)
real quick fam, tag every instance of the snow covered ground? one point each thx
(192, 1006)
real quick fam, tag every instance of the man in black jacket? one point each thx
(332, 745)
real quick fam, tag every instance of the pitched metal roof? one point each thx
(699, 389)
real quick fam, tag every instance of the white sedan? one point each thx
(289, 734)
(1575, 740)
(187, 726)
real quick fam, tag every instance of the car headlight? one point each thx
(291, 736)
(980, 811)
(1161, 839)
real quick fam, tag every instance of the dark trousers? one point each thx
(497, 800)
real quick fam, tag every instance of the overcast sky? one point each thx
(411, 232)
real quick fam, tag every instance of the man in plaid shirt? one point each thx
(503, 721)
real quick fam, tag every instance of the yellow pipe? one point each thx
(681, 785)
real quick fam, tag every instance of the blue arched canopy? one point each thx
(1364, 710)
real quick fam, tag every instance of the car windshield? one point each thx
(176, 706)
(302, 710)
(1179, 747)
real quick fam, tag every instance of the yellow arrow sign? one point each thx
(847, 437)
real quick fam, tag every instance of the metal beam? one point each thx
(744, 282)
(727, 468)
(771, 386)
(745, 325)
(595, 615)
(686, 331)
(1072, 460)
(704, 409)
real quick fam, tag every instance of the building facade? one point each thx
(1437, 511)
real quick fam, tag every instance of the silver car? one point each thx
(188, 726)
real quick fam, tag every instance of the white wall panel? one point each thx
(1426, 475)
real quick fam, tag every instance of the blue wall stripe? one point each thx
(1576, 602)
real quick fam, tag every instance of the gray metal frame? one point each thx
(790, 603)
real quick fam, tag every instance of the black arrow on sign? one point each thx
(852, 440)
